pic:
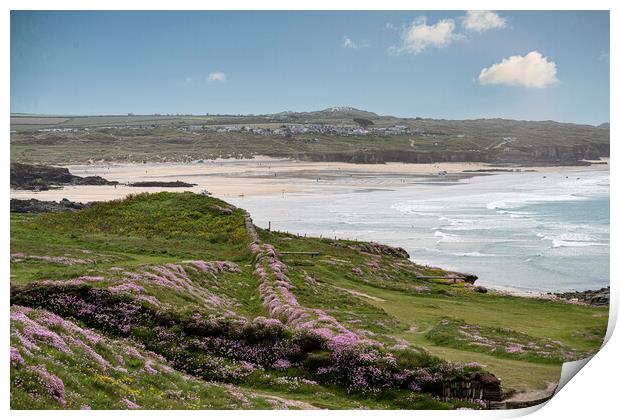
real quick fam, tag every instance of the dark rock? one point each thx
(480, 289)
(601, 299)
(171, 184)
(91, 180)
(469, 278)
(591, 297)
(41, 177)
(380, 249)
(37, 206)
(222, 210)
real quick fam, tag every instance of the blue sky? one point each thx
(539, 65)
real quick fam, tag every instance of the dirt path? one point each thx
(531, 398)
(280, 403)
(360, 294)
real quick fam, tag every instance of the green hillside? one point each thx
(175, 300)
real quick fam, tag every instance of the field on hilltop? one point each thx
(176, 300)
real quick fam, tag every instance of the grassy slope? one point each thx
(121, 373)
(411, 315)
(139, 235)
(109, 373)
(170, 227)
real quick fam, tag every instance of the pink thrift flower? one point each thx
(130, 404)
(16, 357)
(282, 364)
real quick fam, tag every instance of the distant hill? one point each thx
(335, 112)
(332, 134)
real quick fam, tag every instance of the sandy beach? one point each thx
(263, 175)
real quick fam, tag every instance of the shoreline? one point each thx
(553, 296)
(265, 176)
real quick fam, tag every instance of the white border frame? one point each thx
(591, 395)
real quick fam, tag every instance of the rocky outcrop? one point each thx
(539, 155)
(383, 156)
(222, 210)
(171, 184)
(380, 249)
(601, 299)
(555, 155)
(598, 297)
(41, 177)
(37, 206)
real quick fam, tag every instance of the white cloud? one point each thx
(532, 70)
(349, 43)
(482, 20)
(418, 36)
(217, 76)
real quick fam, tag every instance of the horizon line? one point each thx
(131, 114)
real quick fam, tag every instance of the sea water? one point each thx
(526, 231)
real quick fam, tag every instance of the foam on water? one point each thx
(522, 200)
(516, 230)
(475, 254)
(446, 237)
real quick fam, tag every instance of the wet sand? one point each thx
(226, 178)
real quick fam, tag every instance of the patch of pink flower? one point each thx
(276, 295)
(127, 288)
(16, 357)
(53, 259)
(282, 364)
(514, 348)
(130, 404)
(357, 271)
(33, 331)
(54, 386)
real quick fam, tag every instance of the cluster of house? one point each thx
(58, 130)
(289, 130)
(284, 130)
(110, 127)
